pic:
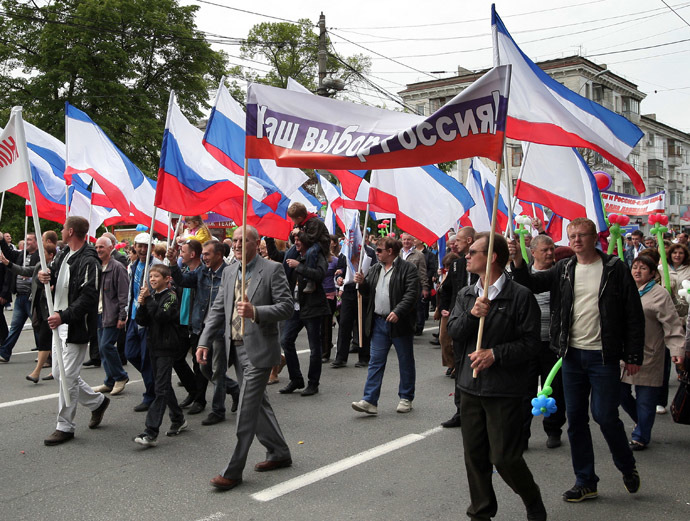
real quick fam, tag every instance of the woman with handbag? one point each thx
(662, 327)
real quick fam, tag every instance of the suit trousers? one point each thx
(254, 416)
(491, 437)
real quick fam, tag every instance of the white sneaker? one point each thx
(102, 389)
(660, 409)
(364, 406)
(404, 406)
(146, 440)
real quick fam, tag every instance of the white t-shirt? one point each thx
(62, 285)
(585, 328)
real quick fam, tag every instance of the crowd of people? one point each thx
(504, 321)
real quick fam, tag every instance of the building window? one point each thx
(436, 103)
(655, 168)
(516, 156)
(630, 105)
(598, 92)
(650, 140)
(674, 148)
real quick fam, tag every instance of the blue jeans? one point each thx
(135, 351)
(312, 256)
(22, 311)
(585, 374)
(380, 346)
(641, 408)
(110, 358)
(289, 331)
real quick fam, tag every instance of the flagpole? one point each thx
(2, 204)
(167, 232)
(244, 237)
(362, 253)
(489, 254)
(26, 224)
(519, 178)
(24, 160)
(66, 163)
(148, 248)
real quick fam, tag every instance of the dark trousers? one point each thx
(422, 312)
(348, 326)
(538, 369)
(165, 395)
(491, 436)
(327, 329)
(586, 377)
(184, 372)
(291, 328)
(135, 350)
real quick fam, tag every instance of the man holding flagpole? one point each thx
(74, 274)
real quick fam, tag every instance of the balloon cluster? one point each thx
(684, 291)
(523, 221)
(383, 227)
(120, 245)
(543, 403)
(658, 221)
(617, 222)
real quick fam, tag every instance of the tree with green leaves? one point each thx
(291, 50)
(115, 59)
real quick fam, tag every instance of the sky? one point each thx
(411, 41)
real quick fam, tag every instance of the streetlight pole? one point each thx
(322, 55)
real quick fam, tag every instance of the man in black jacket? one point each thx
(596, 322)
(392, 286)
(74, 275)
(310, 308)
(491, 403)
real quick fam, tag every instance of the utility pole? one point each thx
(322, 90)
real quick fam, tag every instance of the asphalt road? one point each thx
(346, 466)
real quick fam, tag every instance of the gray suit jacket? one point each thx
(269, 292)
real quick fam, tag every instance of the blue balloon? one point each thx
(543, 405)
(368, 228)
(142, 228)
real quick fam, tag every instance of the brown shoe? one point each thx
(97, 414)
(58, 437)
(119, 387)
(224, 483)
(268, 465)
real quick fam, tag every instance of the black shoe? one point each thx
(361, 364)
(452, 423)
(553, 441)
(92, 363)
(580, 493)
(419, 332)
(310, 390)
(631, 481)
(449, 371)
(97, 414)
(292, 386)
(435, 342)
(235, 402)
(435, 335)
(536, 511)
(325, 359)
(196, 408)
(336, 364)
(187, 401)
(212, 419)
(353, 349)
(142, 407)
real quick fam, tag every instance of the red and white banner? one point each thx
(307, 131)
(631, 205)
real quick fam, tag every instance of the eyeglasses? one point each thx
(472, 253)
(381, 250)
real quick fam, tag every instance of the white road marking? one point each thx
(44, 397)
(291, 485)
(435, 328)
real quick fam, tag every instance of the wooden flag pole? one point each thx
(2, 204)
(489, 254)
(244, 235)
(23, 158)
(360, 302)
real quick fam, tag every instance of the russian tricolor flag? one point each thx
(481, 184)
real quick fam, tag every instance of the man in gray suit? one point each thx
(267, 302)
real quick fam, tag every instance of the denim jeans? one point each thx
(110, 358)
(380, 346)
(165, 396)
(585, 375)
(641, 408)
(312, 256)
(22, 311)
(289, 331)
(135, 351)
